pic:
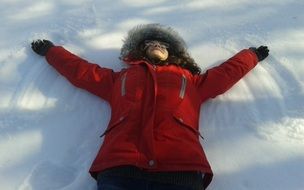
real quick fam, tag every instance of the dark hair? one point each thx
(181, 59)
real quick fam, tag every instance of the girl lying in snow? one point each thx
(152, 140)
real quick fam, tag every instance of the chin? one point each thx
(158, 57)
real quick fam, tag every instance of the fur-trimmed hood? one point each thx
(143, 32)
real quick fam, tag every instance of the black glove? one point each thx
(41, 47)
(262, 52)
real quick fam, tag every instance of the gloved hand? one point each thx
(41, 47)
(262, 52)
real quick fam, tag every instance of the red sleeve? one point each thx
(81, 73)
(219, 79)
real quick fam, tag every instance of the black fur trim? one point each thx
(153, 31)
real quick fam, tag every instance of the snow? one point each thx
(49, 130)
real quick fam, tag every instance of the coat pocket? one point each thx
(114, 122)
(132, 85)
(187, 122)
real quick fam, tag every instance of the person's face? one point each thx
(156, 50)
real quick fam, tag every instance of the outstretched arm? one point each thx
(78, 71)
(219, 79)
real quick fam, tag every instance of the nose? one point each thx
(157, 45)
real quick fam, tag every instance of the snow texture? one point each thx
(49, 129)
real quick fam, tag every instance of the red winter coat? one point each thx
(155, 109)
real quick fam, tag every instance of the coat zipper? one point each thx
(179, 119)
(123, 84)
(183, 87)
(115, 124)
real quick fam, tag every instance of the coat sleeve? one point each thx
(219, 79)
(81, 73)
